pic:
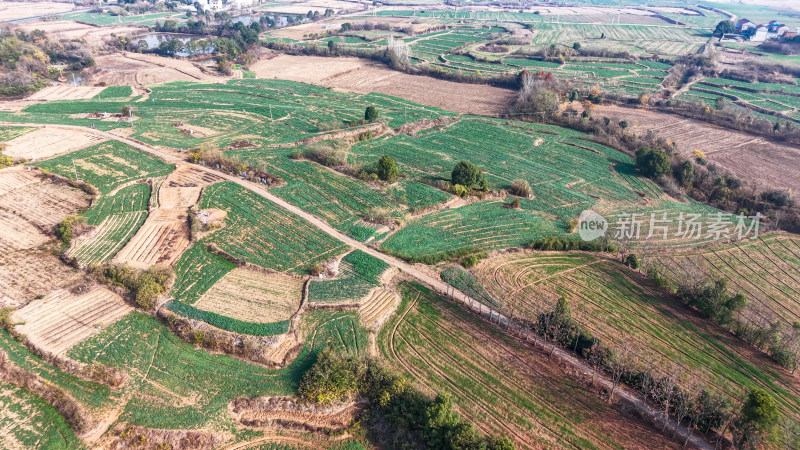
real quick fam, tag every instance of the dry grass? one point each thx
(63, 319)
(254, 296)
(47, 142)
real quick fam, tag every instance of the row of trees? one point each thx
(688, 402)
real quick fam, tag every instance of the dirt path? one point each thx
(434, 283)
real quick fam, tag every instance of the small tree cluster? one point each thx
(145, 286)
(469, 176)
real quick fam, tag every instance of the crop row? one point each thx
(228, 323)
(359, 272)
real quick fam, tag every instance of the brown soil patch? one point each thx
(362, 76)
(764, 163)
(254, 296)
(65, 92)
(161, 240)
(48, 142)
(30, 207)
(62, 319)
(126, 69)
(21, 10)
(377, 306)
(165, 234)
(69, 29)
(27, 274)
(285, 412)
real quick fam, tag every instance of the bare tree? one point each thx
(665, 390)
(620, 362)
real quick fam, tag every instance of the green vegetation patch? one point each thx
(196, 271)
(359, 272)
(262, 233)
(227, 323)
(30, 422)
(467, 283)
(107, 165)
(173, 385)
(114, 92)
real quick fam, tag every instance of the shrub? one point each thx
(332, 378)
(521, 188)
(66, 228)
(370, 114)
(467, 174)
(632, 261)
(387, 169)
(460, 190)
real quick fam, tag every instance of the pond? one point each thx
(154, 40)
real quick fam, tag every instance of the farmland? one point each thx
(783, 99)
(107, 165)
(47, 325)
(766, 270)
(618, 305)
(499, 383)
(174, 385)
(253, 296)
(116, 218)
(359, 272)
(28, 421)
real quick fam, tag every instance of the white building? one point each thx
(760, 35)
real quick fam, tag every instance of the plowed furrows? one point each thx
(104, 312)
(793, 268)
(596, 439)
(736, 281)
(500, 421)
(767, 272)
(727, 362)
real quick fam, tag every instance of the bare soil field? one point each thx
(313, 5)
(125, 69)
(182, 188)
(65, 92)
(27, 274)
(161, 240)
(281, 412)
(254, 296)
(47, 142)
(30, 207)
(764, 163)
(362, 76)
(68, 29)
(21, 10)
(165, 234)
(63, 319)
(377, 306)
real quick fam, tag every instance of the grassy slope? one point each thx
(618, 305)
(499, 383)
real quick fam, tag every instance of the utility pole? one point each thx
(75, 169)
(270, 112)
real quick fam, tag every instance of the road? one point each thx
(632, 397)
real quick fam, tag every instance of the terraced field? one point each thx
(27, 421)
(618, 305)
(117, 218)
(779, 98)
(173, 385)
(567, 174)
(499, 383)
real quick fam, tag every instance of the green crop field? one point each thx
(293, 245)
(196, 271)
(173, 385)
(42, 427)
(359, 272)
(262, 111)
(118, 217)
(114, 92)
(497, 382)
(228, 323)
(621, 306)
(107, 165)
(9, 133)
(566, 172)
(467, 283)
(107, 19)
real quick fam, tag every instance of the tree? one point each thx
(521, 188)
(724, 27)
(685, 173)
(757, 421)
(370, 114)
(632, 261)
(467, 174)
(387, 169)
(576, 45)
(652, 163)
